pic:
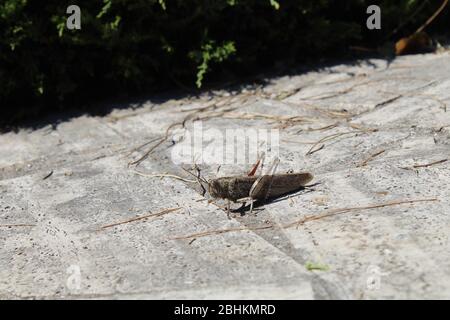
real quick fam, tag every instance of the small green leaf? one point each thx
(311, 266)
(106, 6)
(275, 4)
(60, 27)
(162, 4)
(115, 24)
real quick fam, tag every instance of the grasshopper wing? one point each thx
(287, 183)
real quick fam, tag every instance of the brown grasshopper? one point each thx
(242, 189)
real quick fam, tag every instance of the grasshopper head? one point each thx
(218, 188)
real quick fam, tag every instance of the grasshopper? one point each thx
(242, 188)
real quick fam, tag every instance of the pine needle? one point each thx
(151, 215)
(296, 223)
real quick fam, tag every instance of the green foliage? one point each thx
(210, 52)
(137, 46)
(275, 4)
(312, 266)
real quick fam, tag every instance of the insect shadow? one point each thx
(245, 208)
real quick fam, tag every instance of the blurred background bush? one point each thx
(142, 46)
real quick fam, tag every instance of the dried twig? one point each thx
(417, 166)
(429, 164)
(330, 126)
(141, 146)
(303, 220)
(213, 105)
(345, 210)
(161, 141)
(327, 138)
(329, 113)
(311, 151)
(254, 116)
(430, 19)
(48, 175)
(162, 175)
(334, 94)
(151, 215)
(413, 93)
(406, 21)
(388, 101)
(361, 128)
(219, 231)
(16, 225)
(376, 154)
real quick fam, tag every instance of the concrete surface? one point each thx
(392, 117)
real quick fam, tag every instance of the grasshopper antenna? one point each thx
(199, 179)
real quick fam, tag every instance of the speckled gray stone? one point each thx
(57, 249)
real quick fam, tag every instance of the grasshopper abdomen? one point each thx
(269, 186)
(279, 184)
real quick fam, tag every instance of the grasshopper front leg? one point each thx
(245, 200)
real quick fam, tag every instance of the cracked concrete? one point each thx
(360, 129)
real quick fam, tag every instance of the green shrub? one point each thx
(132, 47)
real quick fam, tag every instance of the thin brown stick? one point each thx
(303, 220)
(169, 128)
(327, 138)
(151, 215)
(328, 95)
(332, 94)
(330, 126)
(363, 49)
(430, 19)
(16, 225)
(329, 113)
(161, 141)
(311, 151)
(429, 164)
(141, 146)
(214, 232)
(162, 175)
(361, 128)
(376, 154)
(406, 21)
(388, 101)
(254, 116)
(345, 210)
(48, 175)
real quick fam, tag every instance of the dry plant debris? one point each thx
(16, 225)
(162, 175)
(151, 215)
(303, 220)
(372, 156)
